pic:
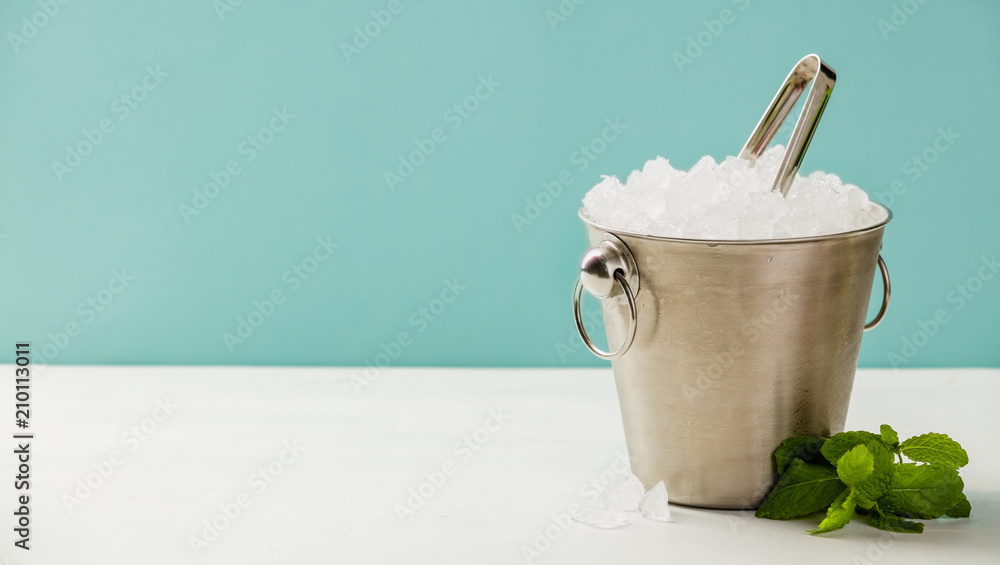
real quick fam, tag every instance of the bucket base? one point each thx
(719, 508)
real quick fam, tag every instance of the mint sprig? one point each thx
(803, 489)
(858, 473)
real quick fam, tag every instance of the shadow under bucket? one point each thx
(729, 348)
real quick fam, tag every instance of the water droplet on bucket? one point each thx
(768, 259)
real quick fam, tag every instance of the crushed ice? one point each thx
(728, 201)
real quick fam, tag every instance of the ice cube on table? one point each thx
(599, 517)
(654, 504)
(624, 493)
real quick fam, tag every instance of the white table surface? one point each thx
(335, 502)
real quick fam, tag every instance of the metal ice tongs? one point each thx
(810, 68)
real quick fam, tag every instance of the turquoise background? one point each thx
(324, 174)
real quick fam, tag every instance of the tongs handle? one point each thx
(810, 68)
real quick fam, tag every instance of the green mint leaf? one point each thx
(855, 466)
(877, 485)
(938, 449)
(803, 489)
(802, 447)
(961, 509)
(838, 515)
(889, 436)
(892, 523)
(923, 491)
(843, 442)
(856, 473)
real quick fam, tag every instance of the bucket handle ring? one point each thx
(602, 266)
(886, 293)
(607, 356)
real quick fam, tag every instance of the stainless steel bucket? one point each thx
(730, 347)
(733, 346)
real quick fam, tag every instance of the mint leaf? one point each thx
(889, 437)
(877, 484)
(803, 447)
(857, 472)
(843, 442)
(892, 523)
(961, 509)
(838, 515)
(855, 466)
(935, 448)
(803, 489)
(923, 491)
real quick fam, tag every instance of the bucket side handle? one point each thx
(886, 292)
(607, 356)
(604, 270)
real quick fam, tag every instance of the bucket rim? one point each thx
(715, 242)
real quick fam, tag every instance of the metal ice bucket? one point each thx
(734, 346)
(730, 347)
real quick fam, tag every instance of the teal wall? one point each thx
(301, 132)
